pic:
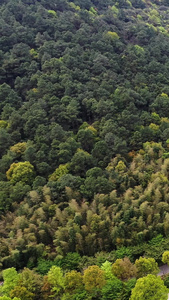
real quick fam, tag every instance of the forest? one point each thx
(84, 149)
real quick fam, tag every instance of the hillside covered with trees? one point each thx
(84, 144)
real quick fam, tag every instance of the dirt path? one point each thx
(163, 270)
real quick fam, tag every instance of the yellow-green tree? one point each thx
(21, 171)
(107, 268)
(18, 149)
(56, 280)
(8, 298)
(112, 35)
(146, 266)
(59, 172)
(3, 124)
(94, 279)
(165, 257)
(73, 281)
(149, 288)
(22, 293)
(31, 281)
(11, 278)
(124, 269)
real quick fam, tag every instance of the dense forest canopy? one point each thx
(84, 137)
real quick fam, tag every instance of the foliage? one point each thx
(73, 282)
(22, 171)
(56, 280)
(44, 266)
(112, 289)
(94, 279)
(10, 278)
(52, 12)
(149, 287)
(84, 141)
(59, 172)
(107, 268)
(112, 35)
(8, 298)
(18, 148)
(127, 289)
(70, 261)
(124, 269)
(165, 257)
(146, 266)
(30, 281)
(165, 278)
(21, 293)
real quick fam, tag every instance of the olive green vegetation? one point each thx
(84, 144)
(145, 289)
(93, 282)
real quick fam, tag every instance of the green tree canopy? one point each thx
(165, 257)
(11, 278)
(124, 269)
(21, 171)
(93, 278)
(56, 280)
(146, 266)
(149, 287)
